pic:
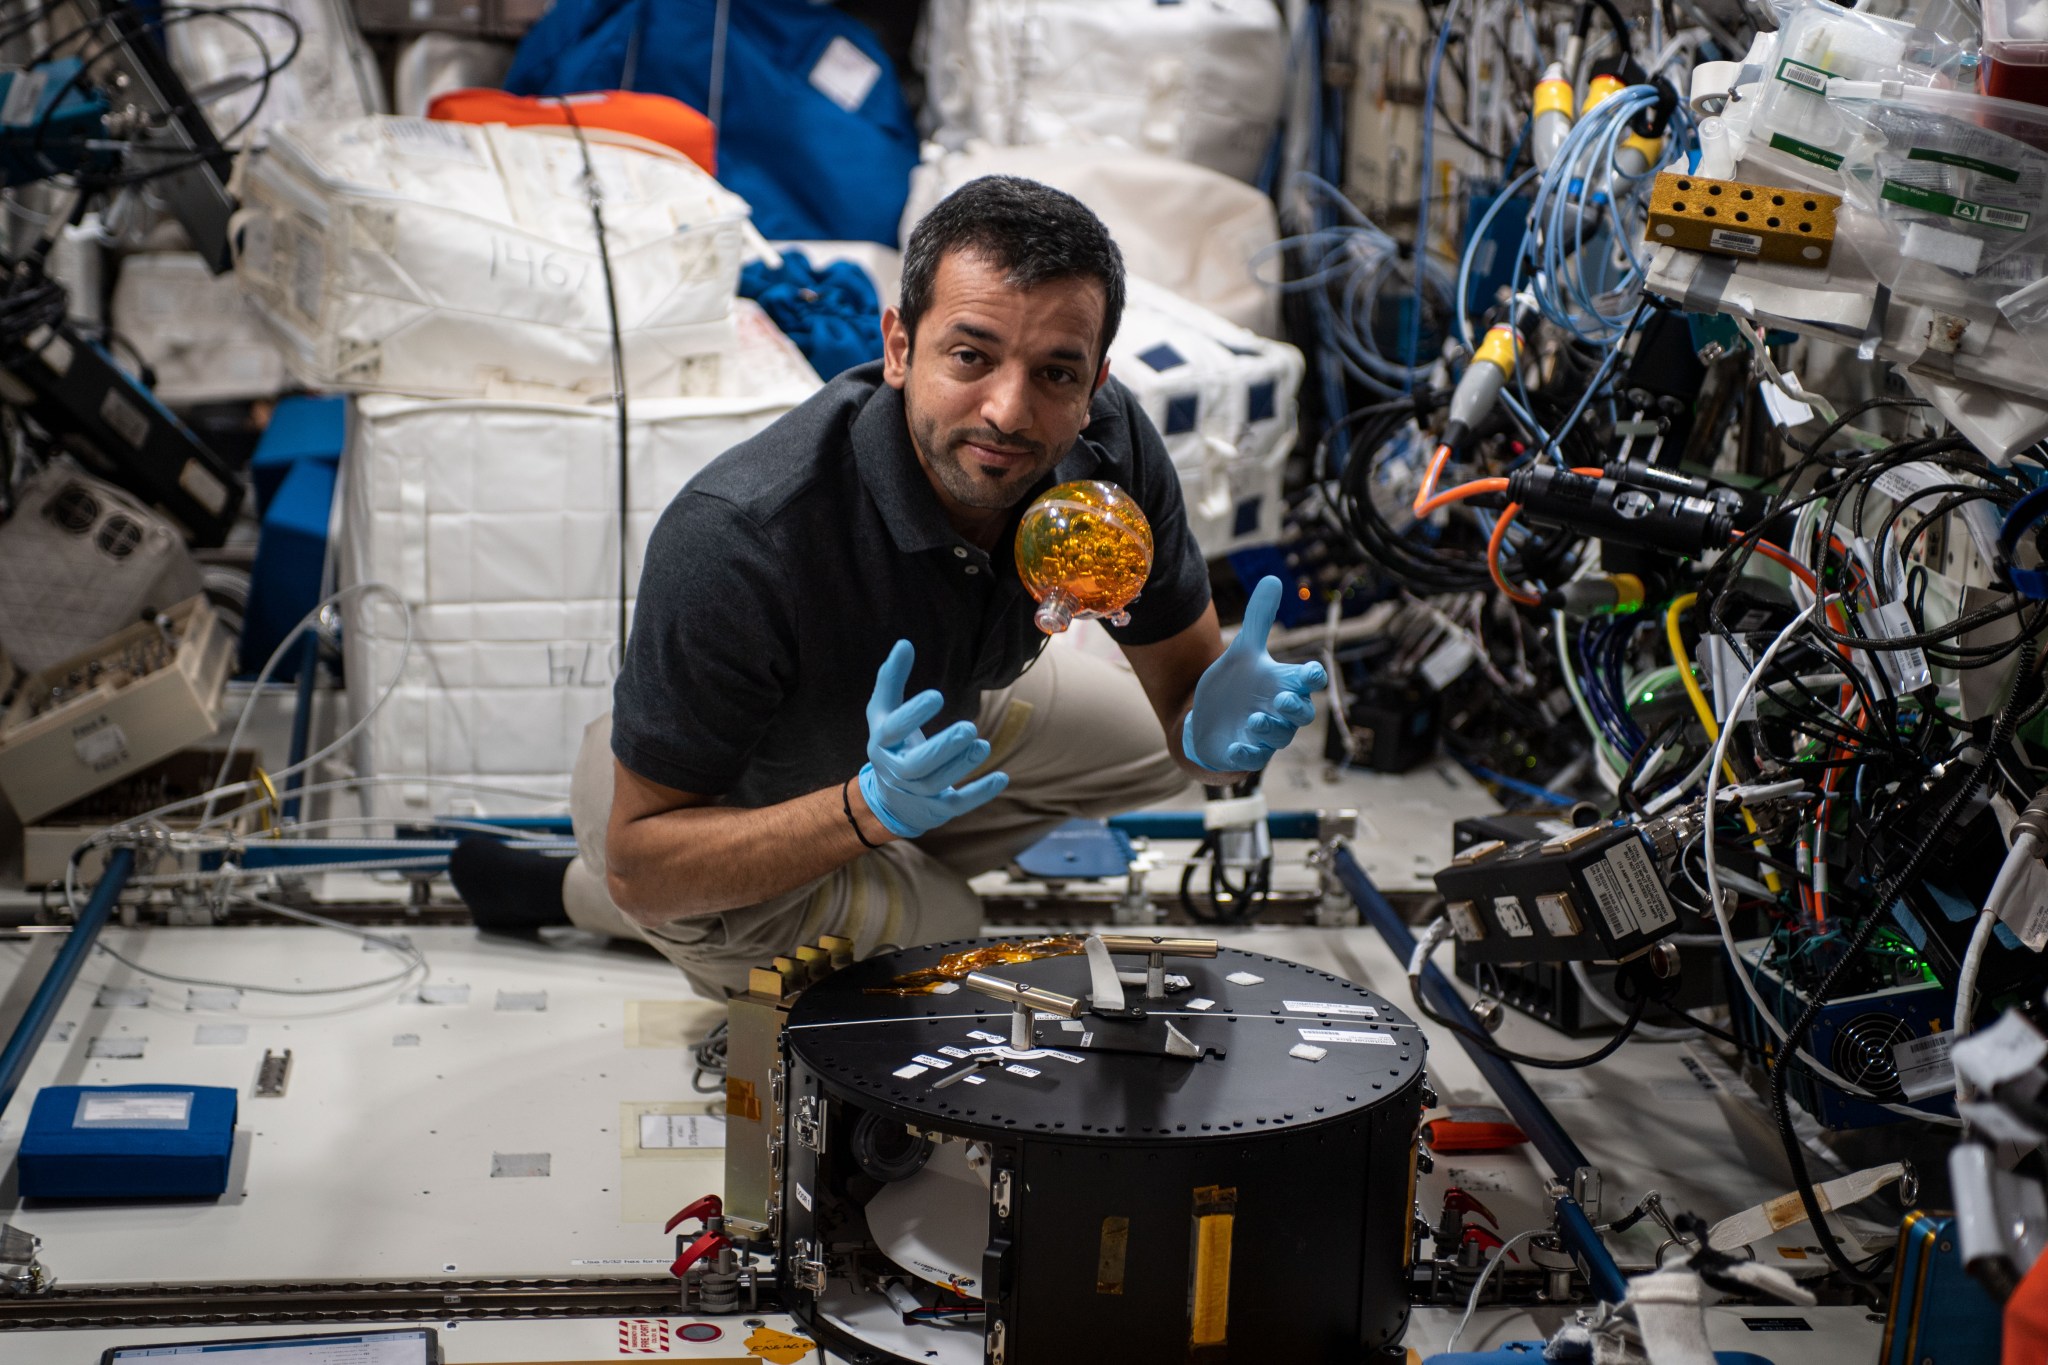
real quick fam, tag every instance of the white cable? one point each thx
(2024, 849)
(406, 951)
(1479, 1285)
(311, 621)
(1718, 904)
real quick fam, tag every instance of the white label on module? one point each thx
(1508, 911)
(1742, 243)
(937, 1063)
(1340, 1035)
(1924, 1066)
(988, 1037)
(1647, 901)
(911, 1072)
(1627, 889)
(1243, 979)
(1016, 1070)
(1325, 1007)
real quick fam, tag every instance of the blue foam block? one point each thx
(127, 1142)
(291, 548)
(300, 429)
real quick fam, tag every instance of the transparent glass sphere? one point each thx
(1083, 549)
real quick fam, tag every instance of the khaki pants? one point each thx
(1076, 735)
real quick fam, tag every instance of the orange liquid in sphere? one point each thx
(1083, 549)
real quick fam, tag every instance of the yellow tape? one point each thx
(1599, 89)
(1497, 348)
(1553, 97)
(1209, 1309)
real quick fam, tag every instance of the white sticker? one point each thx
(1072, 1025)
(1018, 1069)
(1556, 914)
(1907, 668)
(1465, 922)
(945, 988)
(977, 1080)
(905, 1073)
(1325, 1007)
(1785, 410)
(435, 137)
(955, 1052)
(668, 1132)
(803, 1196)
(845, 74)
(115, 1110)
(101, 746)
(1308, 1052)
(1059, 1055)
(24, 93)
(1508, 911)
(936, 1063)
(1449, 662)
(1244, 979)
(1339, 1035)
(1924, 1066)
(1177, 983)
(1202, 1003)
(220, 1035)
(1741, 243)
(116, 1049)
(1630, 895)
(988, 1037)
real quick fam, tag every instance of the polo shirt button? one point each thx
(960, 552)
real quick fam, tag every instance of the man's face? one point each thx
(997, 382)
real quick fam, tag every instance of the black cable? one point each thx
(1484, 1040)
(611, 301)
(1888, 892)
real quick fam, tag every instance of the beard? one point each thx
(966, 479)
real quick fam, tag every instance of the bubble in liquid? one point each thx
(1083, 549)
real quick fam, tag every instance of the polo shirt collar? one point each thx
(894, 476)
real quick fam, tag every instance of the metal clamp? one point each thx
(1156, 949)
(1024, 1001)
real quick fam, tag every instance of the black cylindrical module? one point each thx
(1651, 518)
(1222, 1173)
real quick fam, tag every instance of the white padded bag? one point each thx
(450, 260)
(1189, 230)
(1224, 400)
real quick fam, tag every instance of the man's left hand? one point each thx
(1247, 705)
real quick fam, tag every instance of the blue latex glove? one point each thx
(1247, 706)
(908, 780)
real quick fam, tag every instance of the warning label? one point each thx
(643, 1337)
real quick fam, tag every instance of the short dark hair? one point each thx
(1035, 232)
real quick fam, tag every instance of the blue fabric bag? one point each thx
(832, 314)
(813, 129)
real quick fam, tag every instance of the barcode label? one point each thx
(1800, 74)
(1924, 1067)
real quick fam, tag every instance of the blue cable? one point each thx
(1424, 189)
(1516, 785)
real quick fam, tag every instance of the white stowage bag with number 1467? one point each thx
(457, 261)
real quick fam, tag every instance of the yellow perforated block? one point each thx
(1735, 218)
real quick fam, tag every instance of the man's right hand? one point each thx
(908, 780)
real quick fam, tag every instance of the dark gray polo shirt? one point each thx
(779, 577)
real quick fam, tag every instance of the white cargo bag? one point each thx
(333, 75)
(450, 260)
(1200, 81)
(1187, 229)
(497, 521)
(196, 330)
(1224, 400)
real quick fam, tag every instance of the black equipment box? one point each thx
(1582, 895)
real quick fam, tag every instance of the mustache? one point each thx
(1009, 445)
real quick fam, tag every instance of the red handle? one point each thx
(1464, 1202)
(706, 1245)
(710, 1206)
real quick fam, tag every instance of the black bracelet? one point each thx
(846, 800)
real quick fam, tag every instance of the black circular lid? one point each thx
(1259, 1021)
